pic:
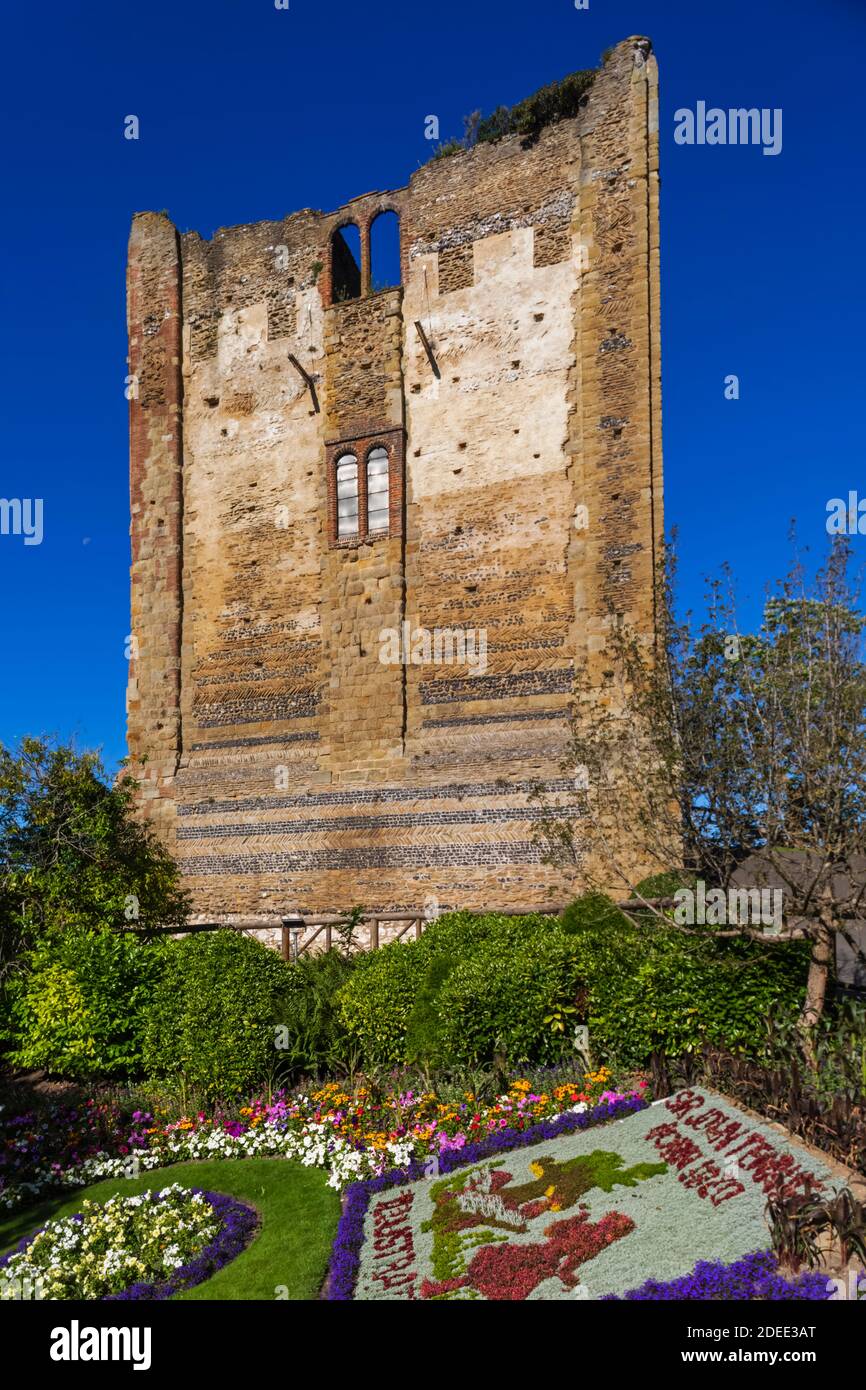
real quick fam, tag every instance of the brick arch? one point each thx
(391, 438)
(344, 275)
(373, 217)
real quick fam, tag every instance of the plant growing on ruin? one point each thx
(556, 102)
(347, 927)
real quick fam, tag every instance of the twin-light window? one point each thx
(349, 494)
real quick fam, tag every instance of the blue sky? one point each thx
(248, 112)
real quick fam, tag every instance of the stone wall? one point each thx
(291, 768)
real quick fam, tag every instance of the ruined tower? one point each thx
(316, 462)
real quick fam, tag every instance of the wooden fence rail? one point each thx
(292, 927)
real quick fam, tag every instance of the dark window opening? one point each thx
(346, 264)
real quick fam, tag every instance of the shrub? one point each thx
(462, 933)
(652, 986)
(79, 1010)
(374, 1005)
(593, 911)
(317, 1040)
(498, 999)
(474, 985)
(664, 885)
(423, 1042)
(448, 147)
(213, 1017)
(555, 102)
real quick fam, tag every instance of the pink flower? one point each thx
(445, 1143)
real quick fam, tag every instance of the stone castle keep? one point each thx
(314, 461)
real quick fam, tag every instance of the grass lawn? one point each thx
(298, 1211)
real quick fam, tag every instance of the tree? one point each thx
(740, 757)
(72, 851)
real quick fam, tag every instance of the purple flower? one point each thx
(753, 1278)
(239, 1225)
(346, 1251)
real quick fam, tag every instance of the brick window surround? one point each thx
(365, 212)
(393, 440)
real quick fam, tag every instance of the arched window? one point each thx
(377, 490)
(385, 252)
(346, 264)
(347, 496)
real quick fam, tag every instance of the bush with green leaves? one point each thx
(592, 912)
(78, 1008)
(215, 1013)
(374, 1006)
(475, 986)
(73, 852)
(506, 998)
(664, 885)
(316, 1041)
(423, 1034)
(651, 986)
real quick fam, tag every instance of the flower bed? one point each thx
(354, 1135)
(755, 1278)
(148, 1246)
(562, 1210)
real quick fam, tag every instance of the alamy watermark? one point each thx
(77, 1343)
(20, 1289)
(851, 1291)
(738, 907)
(22, 516)
(438, 646)
(736, 126)
(846, 518)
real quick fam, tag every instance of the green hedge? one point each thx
(215, 1013)
(423, 1038)
(375, 1004)
(499, 999)
(473, 986)
(652, 986)
(478, 985)
(223, 1013)
(315, 1042)
(79, 1010)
